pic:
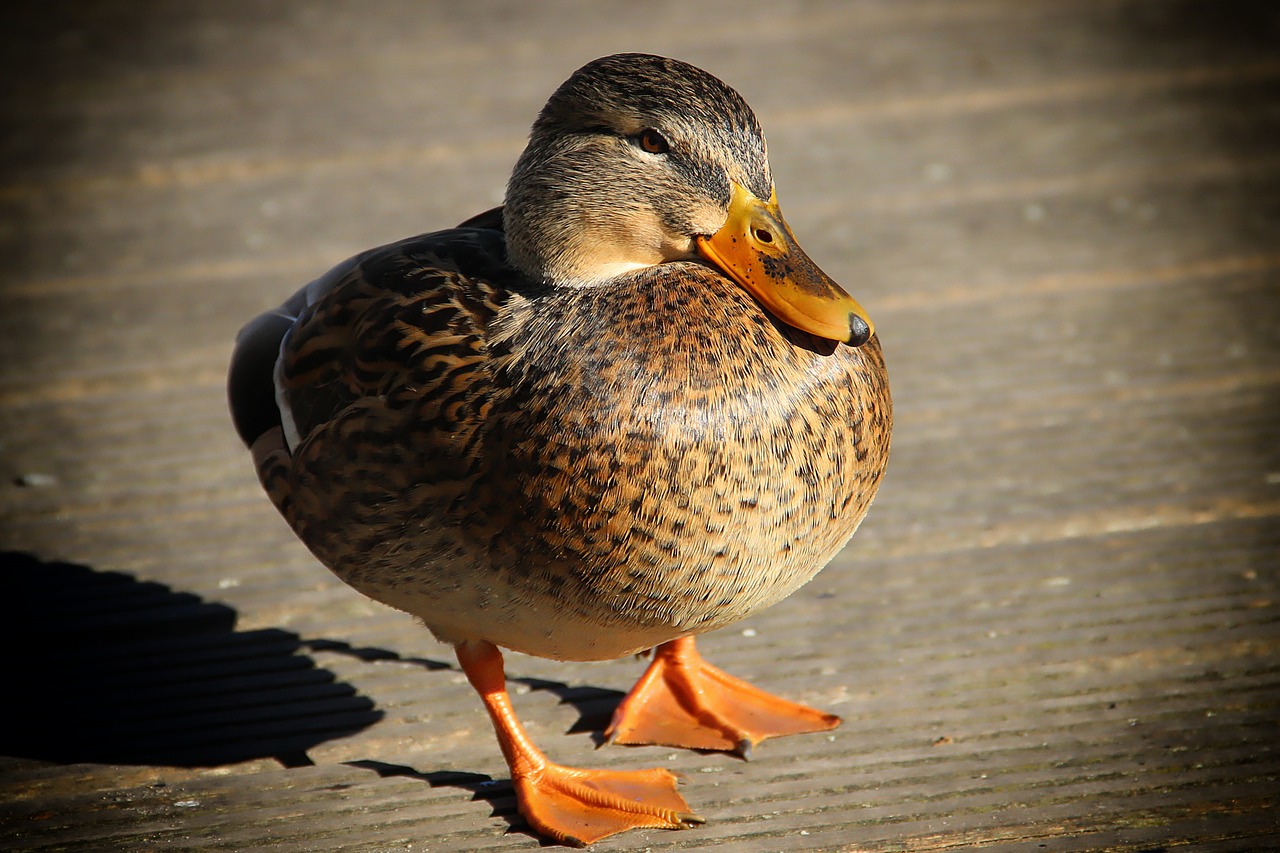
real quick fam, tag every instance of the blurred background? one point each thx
(1057, 629)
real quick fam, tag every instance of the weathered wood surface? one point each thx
(1056, 631)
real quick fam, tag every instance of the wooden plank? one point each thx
(1056, 631)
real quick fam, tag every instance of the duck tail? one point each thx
(251, 387)
(251, 379)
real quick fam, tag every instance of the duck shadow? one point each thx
(499, 794)
(594, 705)
(108, 669)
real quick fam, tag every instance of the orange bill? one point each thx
(756, 248)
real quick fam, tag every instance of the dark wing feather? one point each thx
(394, 327)
(250, 390)
(357, 330)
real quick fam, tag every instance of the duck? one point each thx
(621, 410)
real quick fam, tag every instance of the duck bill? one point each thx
(756, 248)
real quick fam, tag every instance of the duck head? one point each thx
(640, 160)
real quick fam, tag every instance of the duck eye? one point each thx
(653, 142)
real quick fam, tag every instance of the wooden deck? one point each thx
(1057, 629)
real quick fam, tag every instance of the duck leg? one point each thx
(570, 805)
(681, 700)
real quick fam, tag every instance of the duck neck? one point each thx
(565, 227)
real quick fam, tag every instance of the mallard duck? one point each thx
(621, 410)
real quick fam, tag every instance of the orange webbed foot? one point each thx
(577, 807)
(570, 805)
(683, 701)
